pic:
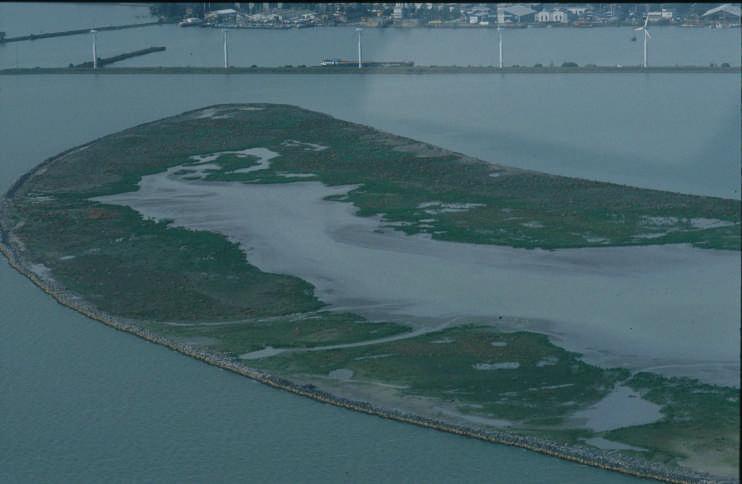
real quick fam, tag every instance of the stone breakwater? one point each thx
(605, 459)
(396, 70)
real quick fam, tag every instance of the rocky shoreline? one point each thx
(608, 460)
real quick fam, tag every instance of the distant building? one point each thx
(519, 13)
(398, 12)
(664, 15)
(479, 15)
(577, 11)
(227, 15)
(552, 16)
(726, 13)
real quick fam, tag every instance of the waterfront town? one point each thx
(451, 15)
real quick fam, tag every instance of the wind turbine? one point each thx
(226, 51)
(95, 55)
(646, 37)
(499, 34)
(359, 47)
(499, 44)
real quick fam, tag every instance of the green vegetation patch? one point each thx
(147, 270)
(417, 188)
(400, 179)
(515, 376)
(523, 378)
(302, 331)
(700, 421)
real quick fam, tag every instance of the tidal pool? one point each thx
(672, 308)
(623, 407)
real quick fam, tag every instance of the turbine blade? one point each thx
(646, 32)
(646, 19)
(639, 29)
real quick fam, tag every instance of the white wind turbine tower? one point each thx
(499, 37)
(646, 37)
(95, 54)
(359, 47)
(226, 51)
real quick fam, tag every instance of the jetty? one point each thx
(64, 33)
(104, 61)
(385, 69)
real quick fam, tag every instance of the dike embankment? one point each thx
(65, 33)
(104, 61)
(608, 460)
(333, 70)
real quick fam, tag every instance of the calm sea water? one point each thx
(83, 403)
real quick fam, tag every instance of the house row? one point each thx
(514, 14)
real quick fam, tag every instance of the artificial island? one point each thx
(393, 277)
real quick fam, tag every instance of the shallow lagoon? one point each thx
(673, 308)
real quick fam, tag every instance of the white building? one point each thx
(662, 15)
(577, 11)
(552, 16)
(559, 16)
(398, 13)
(227, 15)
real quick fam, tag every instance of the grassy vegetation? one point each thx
(538, 384)
(147, 270)
(699, 420)
(302, 331)
(398, 175)
(700, 423)
(228, 162)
